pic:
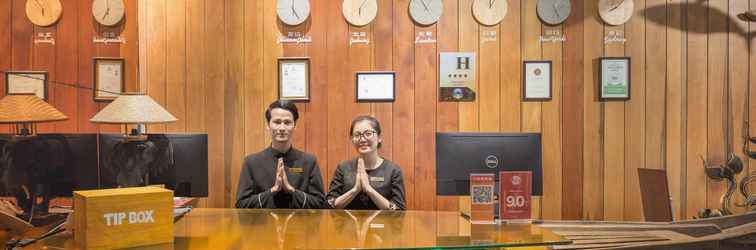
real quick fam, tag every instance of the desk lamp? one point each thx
(135, 109)
(27, 177)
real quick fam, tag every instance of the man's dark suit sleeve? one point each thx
(246, 197)
(313, 196)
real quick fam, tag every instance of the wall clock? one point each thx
(615, 12)
(108, 12)
(43, 12)
(359, 12)
(426, 12)
(293, 12)
(554, 12)
(489, 12)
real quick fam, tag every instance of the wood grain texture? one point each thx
(426, 94)
(175, 64)
(552, 131)
(593, 168)
(738, 91)
(6, 34)
(716, 84)
(613, 118)
(591, 149)
(696, 122)
(66, 68)
(215, 77)
(636, 108)
(674, 114)
(156, 56)
(404, 106)
(87, 107)
(573, 116)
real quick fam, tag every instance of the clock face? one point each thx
(293, 12)
(108, 12)
(43, 12)
(615, 12)
(554, 12)
(489, 12)
(359, 12)
(426, 12)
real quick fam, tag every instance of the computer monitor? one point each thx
(460, 154)
(178, 161)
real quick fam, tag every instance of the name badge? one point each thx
(376, 178)
(294, 170)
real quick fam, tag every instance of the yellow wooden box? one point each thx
(123, 217)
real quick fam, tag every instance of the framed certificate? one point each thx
(536, 80)
(294, 79)
(26, 82)
(108, 78)
(614, 78)
(375, 86)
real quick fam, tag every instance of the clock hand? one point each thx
(425, 5)
(490, 3)
(294, 10)
(40, 6)
(556, 9)
(361, 5)
(616, 6)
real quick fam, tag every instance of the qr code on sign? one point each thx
(482, 194)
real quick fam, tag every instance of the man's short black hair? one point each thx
(285, 105)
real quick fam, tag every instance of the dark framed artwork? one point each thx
(294, 79)
(375, 86)
(26, 82)
(109, 79)
(536, 80)
(614, 78)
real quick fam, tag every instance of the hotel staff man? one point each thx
(280, 176)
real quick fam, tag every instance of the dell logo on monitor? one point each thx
(492, 161)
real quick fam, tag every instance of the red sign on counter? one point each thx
(515, 192)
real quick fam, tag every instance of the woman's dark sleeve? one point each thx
(313, 196)
(397, 190)
(246, 196)
(335, 189)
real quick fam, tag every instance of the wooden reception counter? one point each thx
(342, 229)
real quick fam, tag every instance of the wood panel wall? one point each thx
(69, 62)
(213, 64)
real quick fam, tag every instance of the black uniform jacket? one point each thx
(258, 174)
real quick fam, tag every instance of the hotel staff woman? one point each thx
(368, 181)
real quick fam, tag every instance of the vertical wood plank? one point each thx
(636, 108)
(156, 57)
(674, 110)
(337, 42)
(195, 66)
(696, 122)
(738, 91)
(130, 49)
(511, 70)
(656, 70)
(551, 132)
(404, 61)
(531, 111)
(22, 31)
(447, 113)
(489, 75)
(233, 98)
(572, 114)
(593, 188)
(175, 67)
(6, 34)
(383, 36)
(85, 94)
(65, 67)
(254, 121)
(751, 88)
(468, 42)
(614, 141)
(43, 59)
(214, 109)
(426, 94)
(317, 121)
(717, 82)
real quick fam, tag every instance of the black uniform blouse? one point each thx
(258, 176)
(386, 179)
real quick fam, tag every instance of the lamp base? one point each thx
(139, 137)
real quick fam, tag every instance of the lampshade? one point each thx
(133, 109)
(27, 108)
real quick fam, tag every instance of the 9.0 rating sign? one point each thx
(516, 189)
